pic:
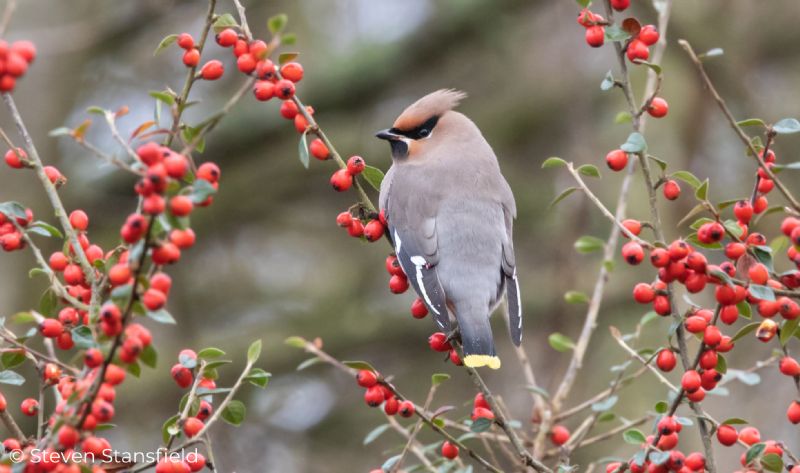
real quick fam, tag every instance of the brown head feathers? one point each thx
(432, 105)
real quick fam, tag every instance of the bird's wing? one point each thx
(411, 217)
(510, 267)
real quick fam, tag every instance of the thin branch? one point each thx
(735, 126)
(416, 447)
(604, 436)
(417, 427)
(109, 158)
(8, 12)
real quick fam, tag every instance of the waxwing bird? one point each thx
(450, 214)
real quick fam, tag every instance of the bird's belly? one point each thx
(470, 235)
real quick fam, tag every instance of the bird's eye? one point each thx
(424, 133)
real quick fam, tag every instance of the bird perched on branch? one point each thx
(450, 214)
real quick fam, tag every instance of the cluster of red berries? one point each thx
(377, 393)
(10, 238)
(668, 428)
(438, 342)
(14, 61)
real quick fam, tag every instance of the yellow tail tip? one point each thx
(477, 361)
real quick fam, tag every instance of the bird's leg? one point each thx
(454, 334)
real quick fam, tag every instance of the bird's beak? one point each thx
(387, 135)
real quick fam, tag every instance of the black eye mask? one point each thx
(422, 131)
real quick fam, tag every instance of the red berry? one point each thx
(356, 229)
(366, 378)
(192, 426)
(658, 108)
(743, 211)
(789, 366)
(195, 461)
(373, 396)
(617, 160)
(289, 110)
(227, 37)
(418, 309)
(449, 450)
(393, 266)
(666, 360)
(344, 219)
(637, 50)
(407, 409)
(391, 406)
(212, 70)
(191, 58)
(265, 70)
(29, 406)
(264, 90)
(595, 36)
(341, 180)
(727, 435)
(620, 5)
(15, 159)
(398, 284)
(373, 230)
(793, 412)
(750, 435)
(712, 336)
(284, 89)
(292, 71)
(644, 293)
(633, 253)
(246, 63)
(691, 381)
(181, 205)
(51, 328)
(185, 41)
(438, 342)
(209, 172)
(649, 35)
(319, 150)
(58, 261)
(26, 49)
(182, 375)
(672, 190)
(355, 165)
(559, 435)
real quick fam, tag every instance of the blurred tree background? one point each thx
(270, 261)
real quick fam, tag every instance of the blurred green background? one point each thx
(270, 262)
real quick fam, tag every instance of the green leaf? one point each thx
(608, 403)
(658, 458)
(283, 58)
(751, 122)
(277, 23)
(149, 356)
(162, 316)
(622, 117)
(134, 369)
(83, 337)
(761, 292)
(661, 407)
(374, 176)
(634, 144)
(540, 391)
(439, 378)
(48, 303)
(254, 351)
(12, 359)
(576, 297)
(764, 255)
(746, 330)
(566, 192)
(47, 228)
(733, 228)
(170, 428)
(297, 342)
(606, 417)
(634, 437)
(584, 3)
(734, 421)
(589, 170)
(702, 192)
(258, 377)
(190, 134)
(560, 342)
(660, 162)
(375, 433)
(166, 96)
(13, 209)
(722, 276)
(553, 162)
(655, 67)
(11, 377)
(772, 462)
(60, 131)
(615, 33)
(164, 44)
(224, 21)
(481, 424)
(360, 365)
(234, 412)
(648, 317)
(722, 364)
(608, 81)
(23, 318)
(302, 149)
(754, 452)
(209, 353)
(713, 52)
(788, 330)
(786, 126)
(744, 310)
(288, 39)
(390, 463)
(687, 177)
(588, 244)
(201, 190)
(307, 363)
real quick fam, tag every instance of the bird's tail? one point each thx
(476, 338)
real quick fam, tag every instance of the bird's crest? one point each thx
(434, 104)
